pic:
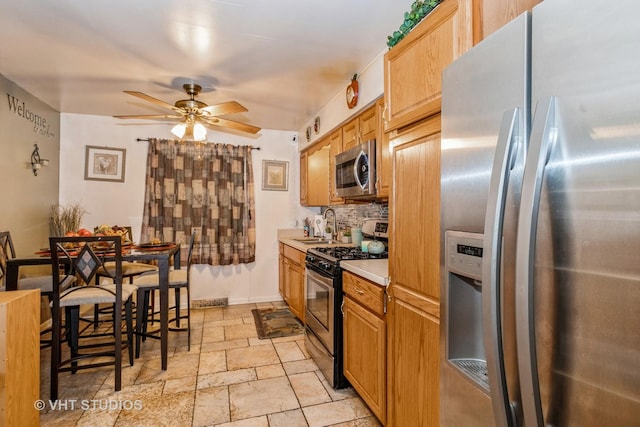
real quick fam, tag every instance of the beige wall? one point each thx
(27, 199)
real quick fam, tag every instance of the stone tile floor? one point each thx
(229, 378)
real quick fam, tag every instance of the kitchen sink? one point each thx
(311, 240)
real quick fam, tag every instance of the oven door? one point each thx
(320, 306)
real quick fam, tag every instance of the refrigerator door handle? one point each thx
(544, 133)
(503, 162)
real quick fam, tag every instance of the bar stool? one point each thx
(82, 257)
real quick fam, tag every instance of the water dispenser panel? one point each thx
(465, 346)
(464, 254)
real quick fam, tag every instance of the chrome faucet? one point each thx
(334, 232)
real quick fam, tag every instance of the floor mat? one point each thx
(276, 322)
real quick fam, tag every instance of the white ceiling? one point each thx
(282, 59)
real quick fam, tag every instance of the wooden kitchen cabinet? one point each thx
(303, 179)
(281, 269)
(361, 128)
(413, 308)
(350, 134)
(291, 280)
(495, 14)
(364, 336)
(335, 141)
(383, 155)
(316, 165)
(413, 67)
(19, 357)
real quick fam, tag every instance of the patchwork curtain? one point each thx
(203, 187)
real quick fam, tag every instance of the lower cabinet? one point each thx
(364, 335)
(291, 280)
(19, 357)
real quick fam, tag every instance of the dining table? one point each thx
(164, 255)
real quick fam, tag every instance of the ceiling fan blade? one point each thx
(243, 127)
(224, 108)
(153, 100)
(151, 117)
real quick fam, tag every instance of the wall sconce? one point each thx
(36, 162)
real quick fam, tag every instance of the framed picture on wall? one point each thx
(104, 163)
(275, 175)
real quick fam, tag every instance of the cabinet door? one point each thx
(415, 219)
(414, 365)
(495, 14)
(286, 282)
(336, 148)
(303, 179)
(368, 124)
(318, 175)
(281, 270)
(296, 290)
(350, 134)
(413, 67)
(364, 336)
(383, 155)
(413, 310)
(19, 357)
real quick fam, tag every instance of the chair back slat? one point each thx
(84, 256)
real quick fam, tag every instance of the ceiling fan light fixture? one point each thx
(179, 130)
(199, 132)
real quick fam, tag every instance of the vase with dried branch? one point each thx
(65, 218)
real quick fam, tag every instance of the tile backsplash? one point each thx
(353, 215)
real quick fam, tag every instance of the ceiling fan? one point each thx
(194, 114)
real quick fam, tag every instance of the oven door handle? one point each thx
(319, 275)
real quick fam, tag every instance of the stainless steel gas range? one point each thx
(323, 338)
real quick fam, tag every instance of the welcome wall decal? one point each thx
(20, 109)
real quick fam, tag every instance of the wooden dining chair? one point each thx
(149, 283)
(82, 257)
(130, 270)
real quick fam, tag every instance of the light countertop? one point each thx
(375, 270)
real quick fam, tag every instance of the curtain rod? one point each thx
(147, 140)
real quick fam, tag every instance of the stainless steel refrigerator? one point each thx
(540, 215)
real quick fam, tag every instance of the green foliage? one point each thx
(419, 9)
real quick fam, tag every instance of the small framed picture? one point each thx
(104, 164)
(275, 175)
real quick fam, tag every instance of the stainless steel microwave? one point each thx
(355, 171)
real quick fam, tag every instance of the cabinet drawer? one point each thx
(364, 292)
(294, 255)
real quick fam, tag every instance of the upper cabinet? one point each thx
(413, 68)
(314, 175)
(496, 14)
(362, 128)
(317, 162)
(383, 154)
(303, 178)
(335, 139)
